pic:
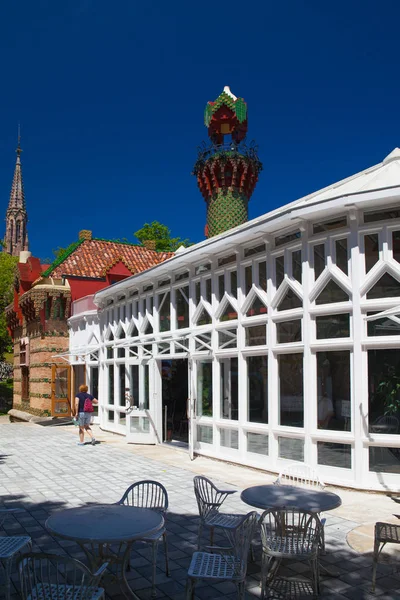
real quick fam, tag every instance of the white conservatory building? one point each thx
(283, 333)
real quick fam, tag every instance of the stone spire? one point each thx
(16, 238)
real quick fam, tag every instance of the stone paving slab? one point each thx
(42, 471)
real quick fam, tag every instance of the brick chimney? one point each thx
(85, 234)
(149, 244)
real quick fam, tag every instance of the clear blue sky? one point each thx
(110, 96)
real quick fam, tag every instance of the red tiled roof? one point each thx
(94, 258)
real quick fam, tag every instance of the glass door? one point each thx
(61, 391)
(140, 404)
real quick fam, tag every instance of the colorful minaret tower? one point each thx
(16, 238)
(227, 171)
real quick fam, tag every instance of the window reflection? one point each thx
(291, 390)
(204, 389)
(384, 391)
(257, 388)
(333, 390)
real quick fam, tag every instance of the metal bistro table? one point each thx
(280, 497)
(96, 528)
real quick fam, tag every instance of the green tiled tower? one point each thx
(227, 171)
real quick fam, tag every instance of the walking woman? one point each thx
(83, 412)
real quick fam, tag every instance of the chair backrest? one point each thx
(43, 572)
(391, 422)
(240, 539)
(146, 494)
(208, 496)
(300, 475)
(280, 530)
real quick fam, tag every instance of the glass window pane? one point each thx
(333, 326)
(248, 276)
(234, 284)
(227, 338)
(204, 389)
(262, 275)
(280, 270)
(329, 225)
(134, 384)
(121, 373)
(256, 336)
(319, 259)
(208, 290)
(384, 460)
(386, 287)
(257, 443)
(221, 287)
(396, 245)
(341, 255)
(204, 318)
(182, 307)
(205, 434)
(331, 293)
(111, 416)
(383, 326)
(229, 389)
(165, 312)
(334, 455)
(289, 301)
(291, 390)
(197, 292)
(229, 438)
(291, 449)
(371, 250)
(333, 390)
(229, 313)
(296, 265)
(121, 353)
(288, 331)
(111, 384)
(110, 352)
(257, 308)
(148, 328)
(257, 388)
(139, 425)
(384, 391)
(146, 385)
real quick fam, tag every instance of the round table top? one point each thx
(287, 496)
(105, 523)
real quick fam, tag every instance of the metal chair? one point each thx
(303, 475)
(10, 546)
(289, 534)
(53, 577)
(150, 494)
(209, 500)
(225, 564)
(385, 424)
(385, 533)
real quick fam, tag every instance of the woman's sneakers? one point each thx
(93, 441)
(80, 443)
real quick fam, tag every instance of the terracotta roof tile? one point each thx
(94, 258)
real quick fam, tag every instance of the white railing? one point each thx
(83, 305)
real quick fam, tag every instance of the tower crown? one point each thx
(16, 238)
(227, 171)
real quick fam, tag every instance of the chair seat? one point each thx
(154, 537)
(282, 588)
(387, 532)
(47, 591)
(291, 545)
(214, 566)
(226, 520)
(10, 545)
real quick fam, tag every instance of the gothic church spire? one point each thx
(16, 238)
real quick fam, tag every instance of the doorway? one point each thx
(174, 377)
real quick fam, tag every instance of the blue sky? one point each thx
(110, 96)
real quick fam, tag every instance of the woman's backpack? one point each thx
(88, 406)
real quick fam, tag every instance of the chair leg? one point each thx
(166, 553)
(375, 564)
(211, 536)
(199, 534)
(7, 568)
(315, 575)
(240, 590)
(190, 589)
(153, 585)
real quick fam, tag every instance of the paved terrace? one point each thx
(42, 471)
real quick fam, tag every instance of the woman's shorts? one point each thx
(84, 419)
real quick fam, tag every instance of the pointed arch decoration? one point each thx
(387, 286)
(132, 330)
(120, 333)
(202, 315)
(332, 293)
(255, 303)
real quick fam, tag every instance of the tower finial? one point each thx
(18, 150)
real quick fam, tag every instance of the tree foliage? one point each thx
(161, 234)
(7, 273)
